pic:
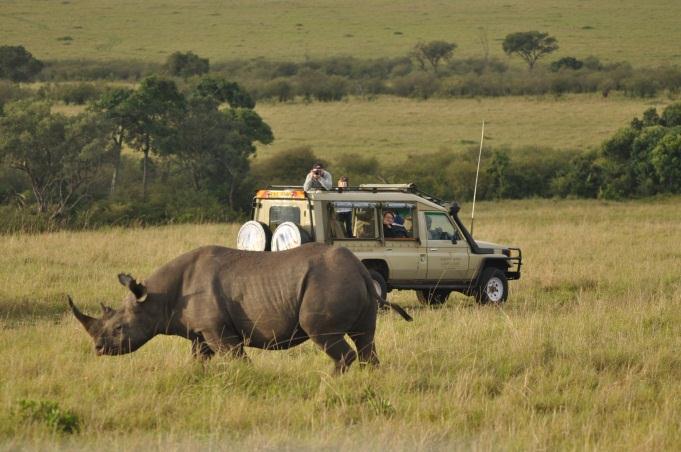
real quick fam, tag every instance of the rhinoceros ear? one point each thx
(136, 288)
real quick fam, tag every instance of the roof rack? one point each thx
(376, 188)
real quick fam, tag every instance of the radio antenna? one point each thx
(475, 190)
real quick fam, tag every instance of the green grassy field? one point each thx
(583, 356)
(390, 128)
(642, 33)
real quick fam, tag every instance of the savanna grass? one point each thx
(584, 354)
(614, 30)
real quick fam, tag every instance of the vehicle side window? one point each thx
(279, 214)
(403, 215)
(439, 227)
(353, 220)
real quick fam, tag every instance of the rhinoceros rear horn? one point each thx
(87, 321)
(136, 288)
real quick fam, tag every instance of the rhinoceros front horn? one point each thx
(87, 321)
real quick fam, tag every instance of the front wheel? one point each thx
(432, 297)
(493, 287)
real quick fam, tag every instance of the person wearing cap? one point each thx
(318, 179)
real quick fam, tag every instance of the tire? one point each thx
(432, 297)
(289, 235)
(493, 287)
(379, 283)
(254, 236)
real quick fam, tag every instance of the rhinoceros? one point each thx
(223, 299)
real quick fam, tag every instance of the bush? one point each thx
(566, 63)
(69, 70)
(185, 65)
(421, 85)
(316, 85)
(70, 93)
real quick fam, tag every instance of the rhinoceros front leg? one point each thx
(200, 349)
(225, 344)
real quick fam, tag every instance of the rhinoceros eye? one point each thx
(118, 329)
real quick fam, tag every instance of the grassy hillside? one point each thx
(584, 355)
(642, 33)
(390, 128)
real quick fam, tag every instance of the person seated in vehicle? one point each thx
(318, 179)
(390, 228)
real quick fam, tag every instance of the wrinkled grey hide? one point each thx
(224, 299)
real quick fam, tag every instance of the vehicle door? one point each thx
(404, 253)
(448, 251)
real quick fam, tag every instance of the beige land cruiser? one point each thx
(427, 248)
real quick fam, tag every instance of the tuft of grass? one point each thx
(49, 413)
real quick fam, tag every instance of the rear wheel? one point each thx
(433, 297)
(493, 287)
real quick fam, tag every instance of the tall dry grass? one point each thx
(583, 356)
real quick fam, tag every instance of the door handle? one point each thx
(432, 249)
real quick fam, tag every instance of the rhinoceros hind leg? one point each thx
(366, 349)
(338, 349)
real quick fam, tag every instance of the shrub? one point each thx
(314, 84)
(420, 85)
(566, 63)
(185, 65)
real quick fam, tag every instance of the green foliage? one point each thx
(666, 158)
(224, 91)
(49, 413)
(643, 159)
(567, 63)
(18, 64)
(59, 155)
(529, 45)
(288, 167)
(432, 53)
(186, 64)
(671, 116)
(316, 85)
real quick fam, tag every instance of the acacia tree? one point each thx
(18, 64)
(215, 145)
(113, 106)
(61, 156)
(529, 45)
(152, 114)
(432, 53)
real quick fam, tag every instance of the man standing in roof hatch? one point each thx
(318, 179)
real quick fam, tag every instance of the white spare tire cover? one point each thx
(254, 236)
(289, 235)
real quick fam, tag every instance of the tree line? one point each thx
(194, 147)
(429, 69)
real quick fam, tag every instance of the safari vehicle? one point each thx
(434, 255)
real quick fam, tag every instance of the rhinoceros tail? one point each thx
(397, 308)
